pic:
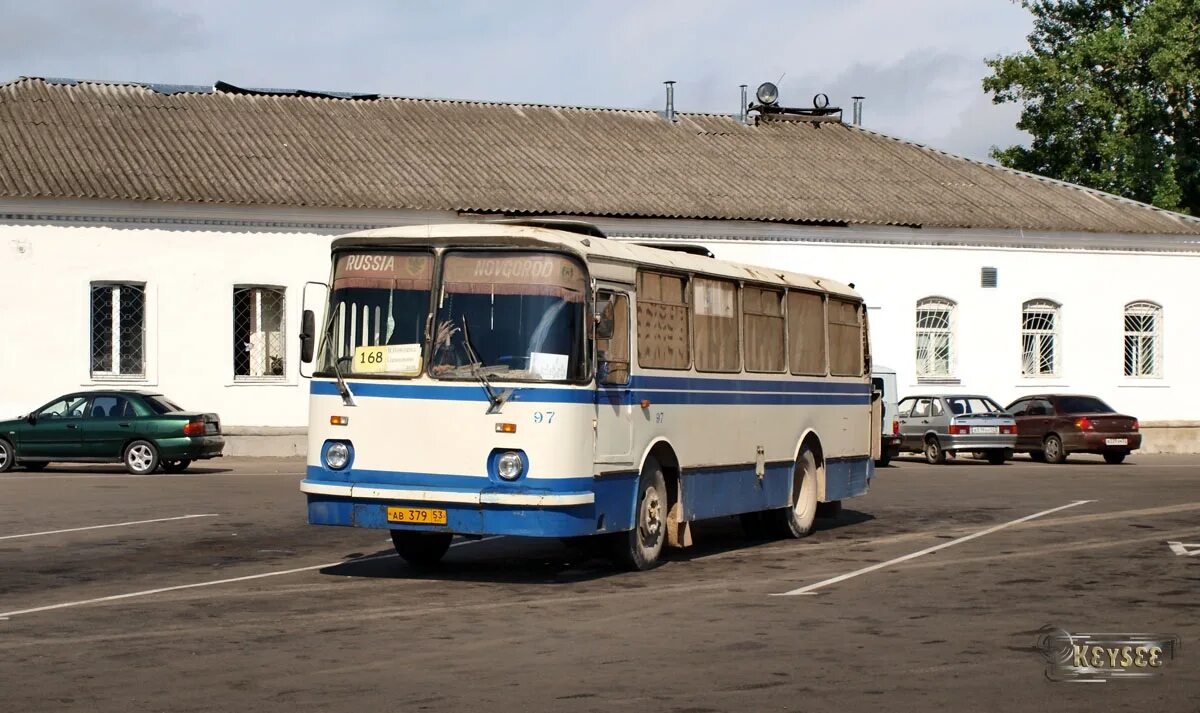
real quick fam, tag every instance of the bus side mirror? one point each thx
(308, 329)
(604, 320)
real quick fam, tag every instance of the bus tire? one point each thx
(421, 550)
(797, 521)
(639, 549)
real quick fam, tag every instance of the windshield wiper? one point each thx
(496, 400)
(343, 388)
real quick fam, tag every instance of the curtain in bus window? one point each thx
(806, 332)
(716, 307)
(845, 339)
(662, 321)
(765, 348)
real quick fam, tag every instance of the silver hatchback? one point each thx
(939, 425)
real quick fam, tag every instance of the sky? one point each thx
(919, 63)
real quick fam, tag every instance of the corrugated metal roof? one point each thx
(93, 140)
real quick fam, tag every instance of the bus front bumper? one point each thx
(530, 512)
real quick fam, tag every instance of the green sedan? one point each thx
(142, 429)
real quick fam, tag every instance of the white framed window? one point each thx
(118, 330)
(1039, 338)
(1143, 340)
(935, 338)
(259, 319)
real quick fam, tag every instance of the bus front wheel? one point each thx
(421, 549)
(639, 548)
(797, 520)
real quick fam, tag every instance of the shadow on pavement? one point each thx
(533, 560)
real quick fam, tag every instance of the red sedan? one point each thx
(1052, 426)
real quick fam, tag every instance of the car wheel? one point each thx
(141, 457)
(797, 521)
(883, 460)
(35, 465)
(639, 549)
(1037, 456)
(176, 465)
(996, 457)
(934, 454)
(1052, 448)
(421, 549)
(7, 457)
(1115, 458)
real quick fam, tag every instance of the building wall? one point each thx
(1092, 287)
(190, 272)
(45, 276)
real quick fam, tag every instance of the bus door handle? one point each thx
(124, 424)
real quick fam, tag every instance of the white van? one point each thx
(883, 380)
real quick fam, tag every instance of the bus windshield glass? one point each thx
(378, 306)
(510, 316)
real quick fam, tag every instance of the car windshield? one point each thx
(972, 404)
(510, 316)
(378, 306)
(161, 404)
(1082, 404)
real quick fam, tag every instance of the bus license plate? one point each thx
(417, 516)
(1116, 441)
(985, 429)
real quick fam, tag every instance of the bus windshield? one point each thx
(378, 306)
(510, 316)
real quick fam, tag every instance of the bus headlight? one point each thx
(509, 466)
(337, 455)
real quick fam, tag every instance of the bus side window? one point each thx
(846, 340)
(612, 351)
(662, 321)
(806, 332)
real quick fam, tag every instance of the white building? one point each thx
(162, 237)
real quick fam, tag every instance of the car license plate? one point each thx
(1116, 441)
(417, 516)
(985, 429)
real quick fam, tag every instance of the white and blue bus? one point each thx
(536, 378)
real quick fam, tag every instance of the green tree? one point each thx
(1109, 92)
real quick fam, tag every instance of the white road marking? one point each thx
(147, 592)
(865, 570)
(1185, 549)
(101, 527)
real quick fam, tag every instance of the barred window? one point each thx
(118, 330)
(1039, 338)
(1143, 339)
(935, 338)
(258, 333)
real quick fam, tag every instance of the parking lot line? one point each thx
(212, 583)
(101, 527)
(913, 555)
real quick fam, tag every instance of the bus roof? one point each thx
(591, 249)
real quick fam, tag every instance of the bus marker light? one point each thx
(645, 403)
(339, 420)
(506, 428)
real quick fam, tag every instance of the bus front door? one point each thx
(614, 397)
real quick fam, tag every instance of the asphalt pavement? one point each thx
(208, 591)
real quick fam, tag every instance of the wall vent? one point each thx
(987, 277)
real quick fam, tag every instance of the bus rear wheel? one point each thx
(639, 549)
(421, 549)
(797, 521)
